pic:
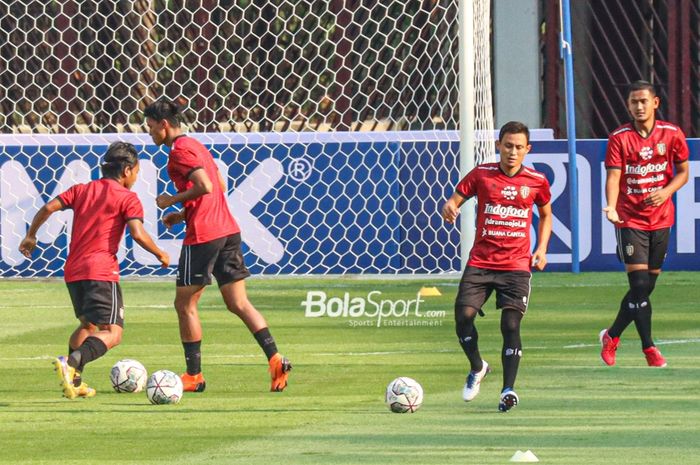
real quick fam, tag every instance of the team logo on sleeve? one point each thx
(509, 192)
(524, 192)
(646, 153)
(661, 149)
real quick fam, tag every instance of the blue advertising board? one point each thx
(342, 203)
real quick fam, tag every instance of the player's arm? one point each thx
(28, 244)
(224, 186)
(657, 198)
(451, 208)
(201, 185)
(173, 218)
(144, 240)
(612, 192)
(544, 232)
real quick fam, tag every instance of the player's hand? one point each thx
(173, 218)
(656, 198)
(164, 200)
(27, 246)
(538, 260)
(450, 212)
(164, 259)
(612, 215)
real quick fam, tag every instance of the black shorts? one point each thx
(99, 302)
(221, 257)
(638, 247)
(512, 288)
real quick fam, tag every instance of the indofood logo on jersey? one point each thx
(643, 170)
(506, 212)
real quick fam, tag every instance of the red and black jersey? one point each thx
(646, 165)
(504, 214)
(101, 210)
(207, 216)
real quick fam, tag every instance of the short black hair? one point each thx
(119, 156)
(164, 109)
(514, 127)
(641, 85)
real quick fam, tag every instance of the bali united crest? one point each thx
(629, 250)
(661, 149)
(524, 192)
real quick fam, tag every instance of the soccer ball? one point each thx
(404, 395)
(164, 387)
(128, 376)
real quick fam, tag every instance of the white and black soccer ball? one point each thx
(404, 395)
(164, 387)
(128, 376)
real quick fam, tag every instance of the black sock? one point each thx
(77, 378)
(193, 357)
(468, 336)
(642, 320)
(267, 342)
(652, 281)
(91, 349)
(641, 283)
(512, 346)
(625, 316)
(470, 346)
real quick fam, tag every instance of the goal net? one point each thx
(336, 124)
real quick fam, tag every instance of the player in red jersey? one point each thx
(212, 245)
(101, 210)
(500, 258)
(640, 161)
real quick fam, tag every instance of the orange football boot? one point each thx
(193, 383)
(279, 370)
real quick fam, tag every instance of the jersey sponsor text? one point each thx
(506, 211)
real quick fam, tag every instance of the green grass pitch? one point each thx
(573, 409)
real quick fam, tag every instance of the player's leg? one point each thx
(632, 250)
(193, 275)
(658, 246)
(84, 330)
(510, 357)
(93, 347)
(512, 297)
(104, 319)
(467, 335)
(100, 308)
(186, 300)
(512, 345)
(474, 289)
(230, 272)
(236, 299)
